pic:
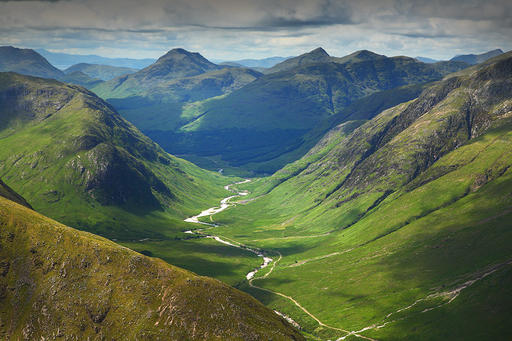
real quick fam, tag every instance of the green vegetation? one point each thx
(59, 282)
(396, 228)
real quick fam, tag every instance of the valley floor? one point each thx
(288, 280)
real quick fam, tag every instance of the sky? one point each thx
(237, 29)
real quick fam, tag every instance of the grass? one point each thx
(205, 257)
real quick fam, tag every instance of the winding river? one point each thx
(225, 203)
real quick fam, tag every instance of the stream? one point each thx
(225, 203)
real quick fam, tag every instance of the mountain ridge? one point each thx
(477, 58)
(28, 62)
(269, 116)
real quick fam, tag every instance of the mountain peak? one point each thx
(317, 55)
(359, 56)
(178, 63)
(319, 51)
(27, 62)
(477, 58)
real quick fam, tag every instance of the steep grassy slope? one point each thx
(103, 72)
(256, 125)
(27, 62)
(76, 160)
(57, 282)
(401, 227)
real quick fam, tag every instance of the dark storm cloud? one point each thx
(262, 27)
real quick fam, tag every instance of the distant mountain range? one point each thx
(65, 60)
(103, 72)
(254, 63)
(471, 59)
(268, 118)
(477, 58)
(426, 60)
(184, 102)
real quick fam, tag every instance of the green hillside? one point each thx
(75, 159)
(57, 282)
(399, 228)
(266, 123)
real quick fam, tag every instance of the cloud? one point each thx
(248, 28)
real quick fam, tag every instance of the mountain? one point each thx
(318, 55)
(57, 282)
(255, 63)
(477, 58)
(399, 228)
(103, 72)
(65, 60)
(265, 124)
(164, 73)
(426, 60)
(27, 62)
(75, 159)
(176, 89)
(176, 63)
(163, 94)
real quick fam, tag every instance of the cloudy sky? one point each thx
(235, 29)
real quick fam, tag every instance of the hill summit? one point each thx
(318, 55)
(27, 62)
(178, 63)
